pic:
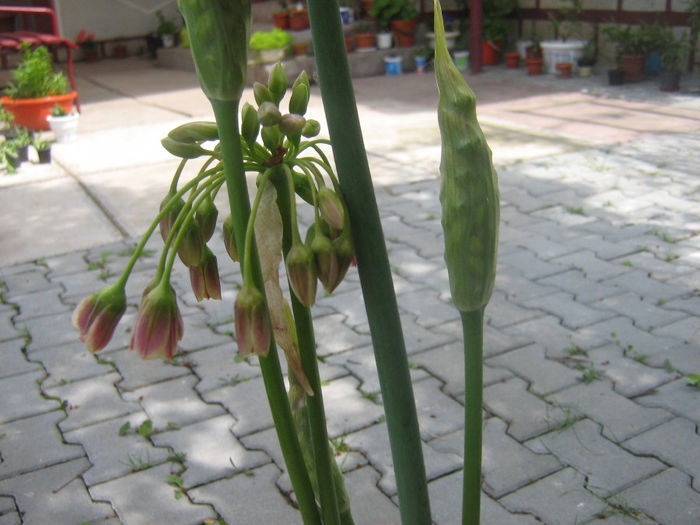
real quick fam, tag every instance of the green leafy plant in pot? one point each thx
(35, 88)
(43, 148)
(399, 16)
(270, 46)
(631, 50)
(673, 52)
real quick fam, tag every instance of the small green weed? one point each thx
(176, 481)
(124, 429)
(576, 210)
(105, 273)
(233, 381)
(137, 463)
(668, 366)
(693, 380)
(575, 350)
(590, 374)
(146, 428)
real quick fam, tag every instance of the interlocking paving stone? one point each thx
(173, 402)
(676, 397)
(644, 315)
(583, 289)
(592, 267)
(526, 414)
(146, 496)
(438, 414)
(213, 452)
(246, 402)
(502, 312)
(367, 503)
(621, 418)
(543, 375)
(70, 362)
(254, 502)
(516, 287)
(50, 330)
(572, 313)
(136, 372)
(56, 494)
(198, 334)
(630, 374)
(8, 331)
(333, 336)
(21, 454)
(446, 495)
(529, 266)
(607, 467)
(427, 307)
(13, 359)
(622, 332)
(558, 498)
(113, 455)
(219, 365)
(347, 410)
(39, 303)
(21, 396)
(27, 279)
(667, 497)
(685, 330)
(653, 271)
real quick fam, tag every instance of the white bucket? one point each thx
(384, 40)
(555, 51)
(64, 127)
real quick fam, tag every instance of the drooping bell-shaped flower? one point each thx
(251, 322)
(301, 272)
(168, 220)
(97, 316)
(206, 216)
(190, 248)
(331, 206)
(205, 277)
(158, 325)
(230, 239)
(324, 258)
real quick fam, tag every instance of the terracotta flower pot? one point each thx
(512, 60)
(364, 40)
(534, 66)
(298, 20)
(633, 66)
(300, 48)
(281, 19)
(32, 112)
(490, 52)
(564, 69)
(404, 32)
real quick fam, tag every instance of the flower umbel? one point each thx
(97, 316)
(158, 325)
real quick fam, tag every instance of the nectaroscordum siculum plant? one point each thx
(281, 147)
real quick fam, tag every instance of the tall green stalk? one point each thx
(372, 259)
(226, 113)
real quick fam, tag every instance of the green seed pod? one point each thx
(311, 129)
(269, 114)
(278, 83)
(205, 216)
(195, 132)
(185, 150)
(261, 93)
(272, 137)
(469, 185)
(299, 100)
(250, 125)
(219, 32)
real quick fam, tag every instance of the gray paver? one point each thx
(14, 361)
(347, 410)
(246, 402)
(645, 315)
(666, 496)
(21, 397)
(67, 363)
(573, 314)
(146, 496)
(39, 303)
(594, 268)
(676, 397)
(136, 372)
(438, 414)
(608, 468)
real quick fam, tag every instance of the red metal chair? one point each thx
(11, 41)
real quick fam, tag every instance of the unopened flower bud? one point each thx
(230, 239)
(271, 137)
(185, 150)
(332, 209)
(97, 316)
(269, 114)
(278, 83)
(261, 93)
(168, 220)
(205, 216)
(205, 277)
(301, 272)
(311, 128)
(345, 255)
(292, 124)
(190, 248)
(195, 132)
(299, 99)
(324, 258)
(250, 125)
(251, 322)
(302, 78)
(158, 325)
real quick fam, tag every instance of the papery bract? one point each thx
(251, 322)
(205, 277)
(97, 316)
(158, 325)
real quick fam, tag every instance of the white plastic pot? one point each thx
(450, 38)
(64, 127)
(555, 51)
(384, 40)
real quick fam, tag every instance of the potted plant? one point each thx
(364, 36)
(36, 88)
(43, 149)
(87, 44)
(420, 56)
(533, 58)
(270, 46)
(281, 17)
(347, 11)
(673, 52)
(587, 60)
(8, 156)
(166, 29)
(565, 24)
(512, 59)
(630, 47)
(64, 124)
(399, 16)
(495, 28)
(22, 139)
(298, 18)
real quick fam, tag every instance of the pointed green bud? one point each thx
(219, 33)
(291, 125)
(252, 327)
(195, 132)
(185, 150)
(250, 125)
(302, 78)
(230, 239)
(332, 209)
(345, 254)
(299, 99)
(271, 137)
(269, 114)
(301, 272)
(324, 258)
(261, 93)
(311, 128)
(278, 83)
(302, 186)
(190, 248)
(206, 215)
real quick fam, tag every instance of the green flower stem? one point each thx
(176, 177)
(473, 329)
(373, 262)
(307, 350)
(226, 113)
(248, 278)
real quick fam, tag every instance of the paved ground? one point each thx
(591, 330)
